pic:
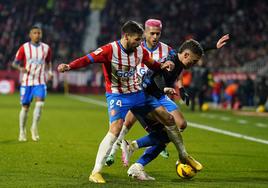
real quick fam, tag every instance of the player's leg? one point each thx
(157, 139)
(172, 108)
(26, 98)
(137, 171)
(22, 122)
(39, 93)
(118, 106)
(176, 137)
(161, 115)
(129, 122)
(104, 149)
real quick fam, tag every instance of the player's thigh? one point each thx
(130, 119)
(40, 92)
(160, 114)
(26, 95)
(116, 126)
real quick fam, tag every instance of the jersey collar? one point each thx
(150, 49)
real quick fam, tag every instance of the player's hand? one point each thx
(184, 96)
(63, 67)
(168, 65)
(50, 75)
(222, 41)
(170, 90)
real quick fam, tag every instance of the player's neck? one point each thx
(35, 43)
(123, 43)
(151, 46)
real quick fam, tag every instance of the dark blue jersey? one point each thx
(160, 80)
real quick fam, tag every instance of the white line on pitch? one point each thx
(195, 125)
(229, 133)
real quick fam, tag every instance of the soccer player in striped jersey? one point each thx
(33, 59)
(158, 51)
(123, 87)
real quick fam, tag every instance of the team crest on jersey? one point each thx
(113, 112)
(98, 51)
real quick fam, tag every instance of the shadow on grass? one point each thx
(11, 142)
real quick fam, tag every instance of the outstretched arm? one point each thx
(101, 55)
(216, 45)
(76, 64)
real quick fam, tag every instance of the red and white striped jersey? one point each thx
(160, 52)
(119, 67)
(34, 58)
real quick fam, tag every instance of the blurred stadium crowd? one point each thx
(64, 24)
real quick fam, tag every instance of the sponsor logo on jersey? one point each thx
(125, 74)
(142, 71)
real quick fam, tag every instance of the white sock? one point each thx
(37, 113)
(118, 142)
(104, 149)
(175, 137)
(23, 118)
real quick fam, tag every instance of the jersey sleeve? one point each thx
(101, 55)
(20, 55)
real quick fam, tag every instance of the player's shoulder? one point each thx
(25, 44)
(104, 49)
(165, 45)
(45, 45)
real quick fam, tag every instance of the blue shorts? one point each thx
(27, 93)
(120, 104)
(169, 104)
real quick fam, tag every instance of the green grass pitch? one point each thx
(71, 130)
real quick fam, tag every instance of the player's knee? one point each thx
(25, 107)
(39, 104)
(116, 127)
(183, 125)
(169, 121)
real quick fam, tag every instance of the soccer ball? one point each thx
(205, 107)
(260, 108)
(185, 171)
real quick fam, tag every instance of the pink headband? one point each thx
(153, 23)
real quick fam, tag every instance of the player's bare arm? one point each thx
(50, 73)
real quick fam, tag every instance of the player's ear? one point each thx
(126, 36)
(186, 54)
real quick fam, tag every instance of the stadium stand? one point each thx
(63, 23)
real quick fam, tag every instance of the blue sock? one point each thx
(150, 154)
(153, 138)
